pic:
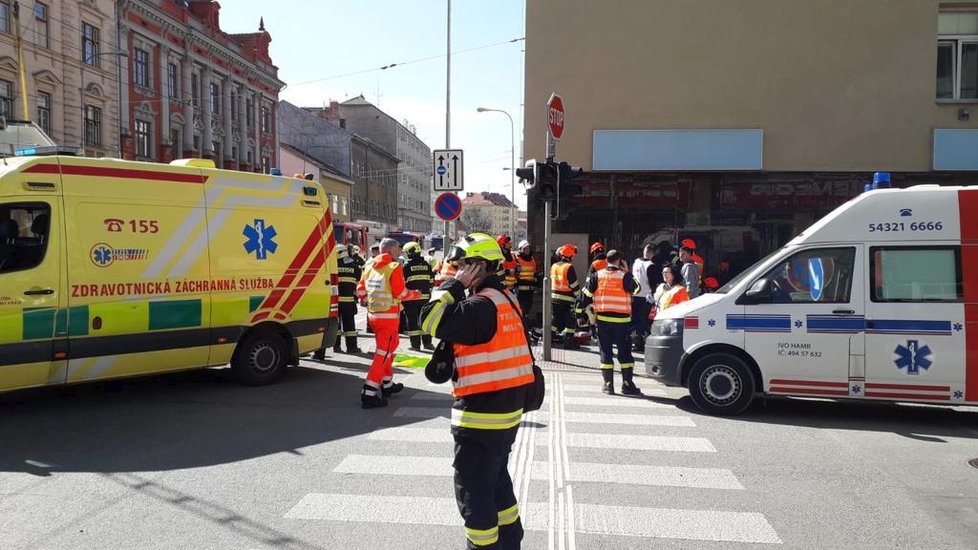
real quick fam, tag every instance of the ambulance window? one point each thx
(23, 235)
(916, 274)
(821, 275)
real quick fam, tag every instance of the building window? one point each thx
(265, 119)
(251, 159)
(143, 133)
(175, 141)
(44, 111)
(4, 16)
(266, 163)
(41, 24)
(172, 80)
(215, 91)
(916, 274)
(90, 45)
(140, 62)
(194, 87)
(6, 99)
(250, 113)
(93, 126)
(957, 55)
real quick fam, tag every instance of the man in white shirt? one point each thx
(642, 304)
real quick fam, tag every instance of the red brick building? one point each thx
(193, 90)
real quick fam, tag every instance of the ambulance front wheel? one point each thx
(721, 384)
(261, 358)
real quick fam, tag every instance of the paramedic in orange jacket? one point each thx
(492, 368)
(382, 289)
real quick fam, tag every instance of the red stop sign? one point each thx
(555, 116)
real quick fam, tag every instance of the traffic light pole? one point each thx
(547, 302)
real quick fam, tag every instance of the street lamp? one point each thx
(512, 169)
(81, 91)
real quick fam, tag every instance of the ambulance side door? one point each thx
(138, 271)
(915, 321)
(32, 315)
(801, 327)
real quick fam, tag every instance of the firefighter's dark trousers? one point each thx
(348, 327)
(525, 297)
(564, 323)
(412, 311)
(484, 491)
(611, 335)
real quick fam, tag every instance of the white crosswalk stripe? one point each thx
(578, 489)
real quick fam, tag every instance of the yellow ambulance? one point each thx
(112, 268)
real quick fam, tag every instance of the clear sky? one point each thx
(317, 44)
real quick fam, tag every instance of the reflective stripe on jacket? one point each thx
(611, 297)
(526, 272)
(563, 289)
(503, 362)
(382, 284)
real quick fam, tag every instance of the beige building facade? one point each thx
(337, 187)
(71, 71)
(496, 209)
(739, 123)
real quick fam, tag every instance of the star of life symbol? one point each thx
(856, 389)
(712, 322)
(798, 324)
(958, 394)
(913, 357)
(102, 255)
(260, 239)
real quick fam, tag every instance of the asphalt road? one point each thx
(194, 460)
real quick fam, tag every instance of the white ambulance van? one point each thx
(876, 301)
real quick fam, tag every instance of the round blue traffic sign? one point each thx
(441, 170)
(448, 206)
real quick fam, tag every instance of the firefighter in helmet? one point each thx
(491, 368)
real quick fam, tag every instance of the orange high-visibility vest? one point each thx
(610, 296)
(501, 363)
(598, 265)
(558, 272)
(509, 279)
(527, 272)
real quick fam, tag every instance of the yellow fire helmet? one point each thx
(475, 245)
(412, 248)
(341, 251)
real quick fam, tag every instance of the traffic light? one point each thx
(540, 178)
(566, 188)
(528, 174)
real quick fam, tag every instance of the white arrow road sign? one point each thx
(447, 169)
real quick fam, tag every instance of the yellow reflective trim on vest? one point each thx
(486, 421)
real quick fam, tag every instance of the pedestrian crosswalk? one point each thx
(566, 491)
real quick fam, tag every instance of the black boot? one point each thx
(570, 342)
(351, 345)
(609, 381)
(415, 343)
(370, 398)
(390, 390)
(627, 386)
(372, 402)
(319, 354)
(336, 345)
(426, 341)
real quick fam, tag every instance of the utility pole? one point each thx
(448, 105)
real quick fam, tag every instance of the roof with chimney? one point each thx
(486, 198)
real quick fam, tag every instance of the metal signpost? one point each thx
(447, 175)
(555, 130)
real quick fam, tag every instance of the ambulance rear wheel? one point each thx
(721, 384)
(260, 359)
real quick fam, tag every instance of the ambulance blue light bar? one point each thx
(42, 150)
